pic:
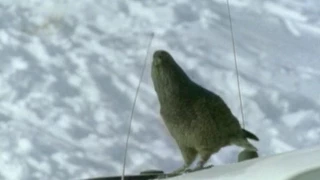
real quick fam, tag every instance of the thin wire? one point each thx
(133, 107)
(236, 64)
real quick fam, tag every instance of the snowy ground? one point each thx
(69, 71)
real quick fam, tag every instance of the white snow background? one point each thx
(69, 71)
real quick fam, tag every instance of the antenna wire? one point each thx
(133, 107)
(236, 64)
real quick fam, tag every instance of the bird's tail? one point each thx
(249, 135)
(243, 142)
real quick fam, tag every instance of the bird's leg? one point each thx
(188, 154)
(202, 162)
(204, 157)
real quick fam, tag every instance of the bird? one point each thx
(199, 120)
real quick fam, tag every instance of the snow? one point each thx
(69, 71)
(284, 12)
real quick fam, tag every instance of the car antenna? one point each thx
(133, 106)
(236, 65)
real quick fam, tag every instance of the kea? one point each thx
(199, 120)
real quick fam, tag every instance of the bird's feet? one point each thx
(198, 168)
